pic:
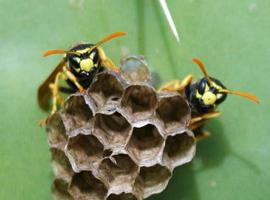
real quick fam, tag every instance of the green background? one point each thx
(231, 37)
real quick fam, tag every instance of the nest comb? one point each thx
(120, 140)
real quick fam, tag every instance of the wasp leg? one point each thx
(60, 100)
(187, 81)
(205, 117)
(197, 123)
(198, 131)
(55, 91)
(171, 86)
(107, 62)
(176, 85)
(54, 87)
(202, 135)
(71, 77)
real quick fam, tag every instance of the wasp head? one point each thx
(206, 96)
(208, 92)
(83, 58)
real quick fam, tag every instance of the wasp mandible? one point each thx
(203, 95)
(78, 68)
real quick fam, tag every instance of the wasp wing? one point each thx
(44, 92)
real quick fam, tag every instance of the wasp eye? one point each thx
(77, 60)
(74, 61)
(202, 85)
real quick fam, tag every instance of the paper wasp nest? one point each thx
(120, 140)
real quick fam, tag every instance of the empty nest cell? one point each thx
(61, 165)
(85, 151)
(77, 113)
(174, 112)
(105, 88)
(145, 143)
(122, 196)
(179, 149)
(85, 186)
(112, 129)
(60, 189)
(118, 171)
(139, 99)
(152, 179)
(56, 131)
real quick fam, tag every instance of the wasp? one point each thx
(78, 67)
(203, 96)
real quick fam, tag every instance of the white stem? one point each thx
(168, 15)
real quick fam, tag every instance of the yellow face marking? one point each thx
(83, 51)
(77, 69)
(206, 88)
(216, 86)
(198, 95)
(92, 56)
(219, 96)
(209, 98)
(86, 64)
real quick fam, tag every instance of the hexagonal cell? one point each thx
(179, 149)
(134, 68)
(56, 131)
(119, 171)
(174, 112)
(77, 113)
(59, 190)
(105, 88)
(112, 129)
(139, 100)
(152, 180)
(145, 144)
(61, 165)
(84, 151)
(122, 196)
(85, 186)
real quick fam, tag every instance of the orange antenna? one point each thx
(58, 51)
(61, 51)
(109, 37)
(242, 94)
(201, 65)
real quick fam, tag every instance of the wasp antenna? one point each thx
(109, 37)
(201, 65)
(53, 52)
(59, 51)
(242, 94)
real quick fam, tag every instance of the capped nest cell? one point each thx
(119, 140)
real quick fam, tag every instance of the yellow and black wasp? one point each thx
(203, 96)
(78, 67)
